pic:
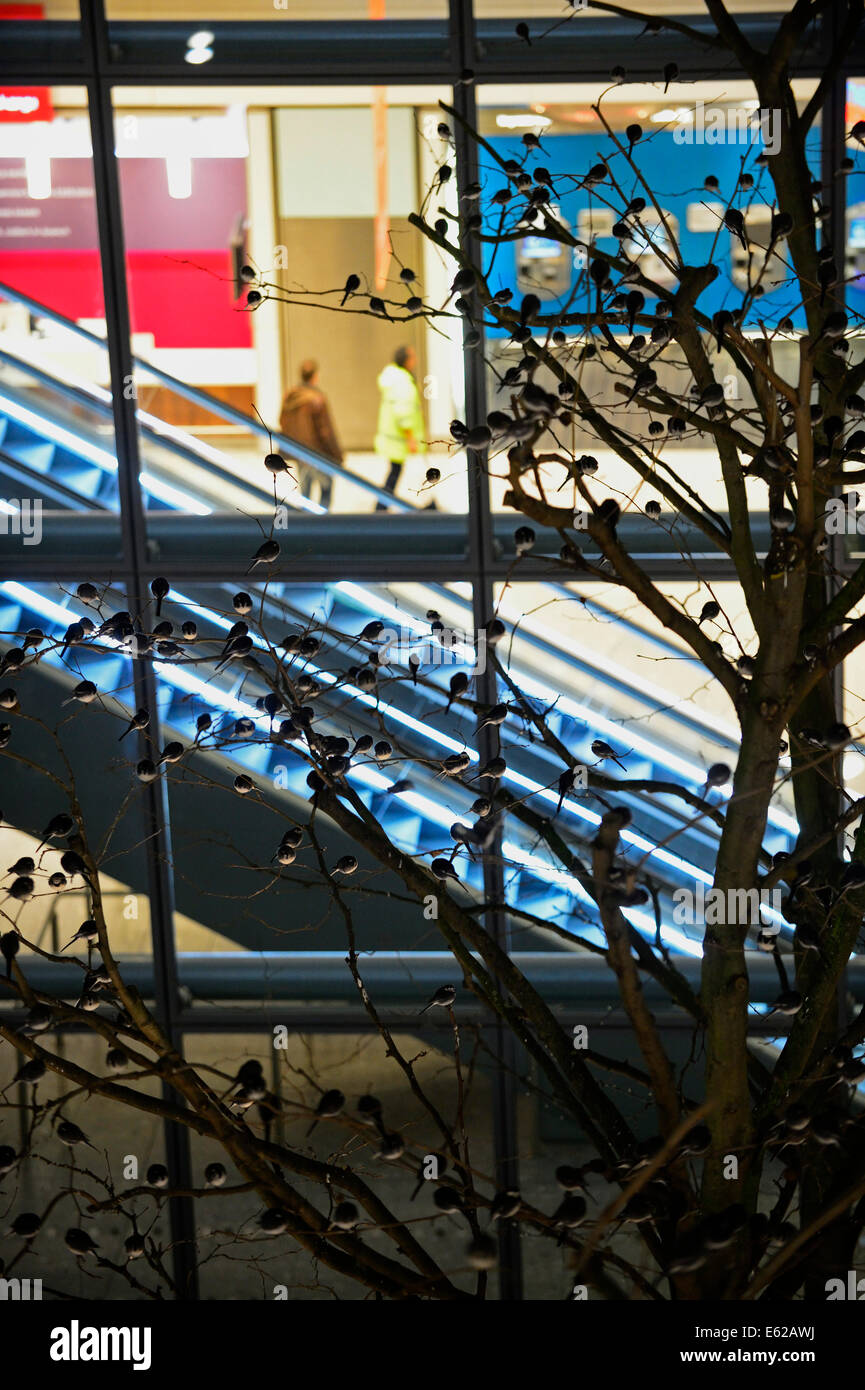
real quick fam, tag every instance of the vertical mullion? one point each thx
(834, 192)
(154, 799)
(505, 1137)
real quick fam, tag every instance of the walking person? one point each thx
(305, 417)
(400, 417)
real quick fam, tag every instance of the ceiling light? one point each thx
(672, 113)
(526, 122)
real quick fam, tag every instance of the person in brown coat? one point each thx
(305, 416)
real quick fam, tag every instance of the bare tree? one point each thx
(752, 1186)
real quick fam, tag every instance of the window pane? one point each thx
(694, 131)
(237, 252)
(74, 697)
(593, 665)
(56, 427)
(58, 1183)
(233, 891)
(236, 1261)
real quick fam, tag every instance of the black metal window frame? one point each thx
(474, 52)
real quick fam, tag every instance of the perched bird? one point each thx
(37, 1020)
(505, 1204)
(238, 649)
(57, 828)
(696, 1142)
(391, 1148)
(443, 869)
(72, 864)
(10, 945)
(24, 865)
(569, 1178)
(352, 284)
(331, 1104)
(370, 1109)
(443, 998)
(837, 736)
(79, 1242)
(214, 1175)
(447, 1200)
(26, 1225)
(455, 764)
(788, 1003)
(22, 888)
(345, 1216)
(603, 751)
(73, 635)
(134, 1246)
(88, 931)
(565, 784)
(139, 720)
(718, 775)
(159, 589)
(495, 769)
(571, 1212)
(84, 693)
(250, 1074)
(644, 380)
(172, 752)
(266, 554)
(157, 1175)
(70, 1134)
(274, 1221)
(482, 1252)
(31, 1073)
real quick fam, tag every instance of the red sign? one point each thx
(26, 104)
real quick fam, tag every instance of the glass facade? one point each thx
(158, 168)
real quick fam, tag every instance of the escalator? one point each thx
(56, 443)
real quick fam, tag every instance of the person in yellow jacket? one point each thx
(400, 416)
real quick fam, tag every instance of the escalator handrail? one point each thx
(82, 397)
(38, 481)
(301, 452)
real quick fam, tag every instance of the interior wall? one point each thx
(326, 227)
(351, 348)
